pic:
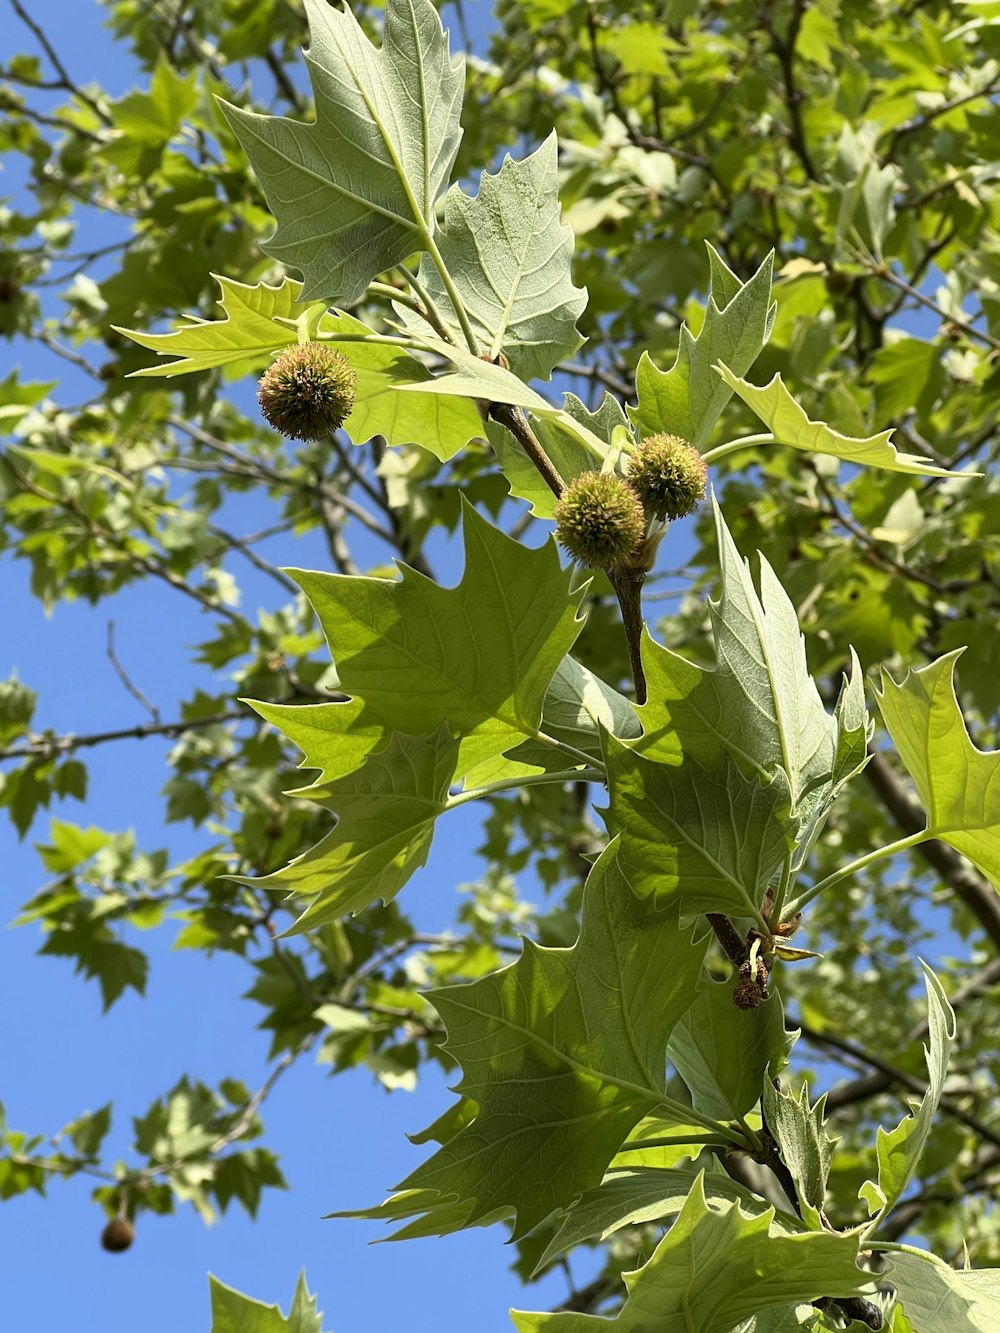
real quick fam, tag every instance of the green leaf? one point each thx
(509, 256)
(937, 1299)
(17, 398)
(563, 1052)
(687, 399)
(790, 426)
(715, 1267)
(385, 822)
(479, 656)
(354, 193)
(958, 784)
(899, 1151)
(806, 1148)
(17, 708)
(760, 704)
(89, 1131)
(232, 1312)
(722, 1052)
(248, 331)
(577, 705)
(708, 839)
(631, 1197)
(436, 422)
(155, 117)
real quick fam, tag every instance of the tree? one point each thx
(778, 279)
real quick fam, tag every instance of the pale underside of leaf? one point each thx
(354, 193)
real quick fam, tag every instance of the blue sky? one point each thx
(342, 1142)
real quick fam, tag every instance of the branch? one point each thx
(784, 49)
(64, 80)
(517, 423)
(40, 746)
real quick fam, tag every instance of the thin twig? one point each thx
(123, 676)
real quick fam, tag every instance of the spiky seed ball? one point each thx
(118, 1235)
(669, 474)
(600, 520)
(308, 391)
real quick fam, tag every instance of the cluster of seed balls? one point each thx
(601, 517)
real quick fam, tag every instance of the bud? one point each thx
(308, 391)
(118, 1235)
(600, 520)
(669, 474)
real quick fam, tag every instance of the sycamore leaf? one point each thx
(937, 1299)
(577, 705)
(721, 1052)
(790, 426)
(958, 784)
(354, 193)
(806, 1148)
(715, 1267)
(759, 705)
(330, 736)
(634, 1196)
(479, 656)
(708, 839)
(248, 330)
(687, 399)
(563, 1052)
(899, 1151)
(438, 423)
(509, 256)
(385, 822)
(232, 1312)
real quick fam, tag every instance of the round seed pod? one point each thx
(308, 391)
(669, 474)
(118, 1235)
(600, 520)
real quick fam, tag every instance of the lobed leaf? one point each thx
(708, 839)
(509, 256)
(232, 1312)
(248, 331)
(630, 1197)
(385, 822)
(958, 784)
(479, 656)
(563, 1052)
(937, 1299)
(715, 1267)
(687, 399)
(722, 1052)
(898, 1151)
(760, 704)
(789, 425)
(806, 1148)
(354, 193)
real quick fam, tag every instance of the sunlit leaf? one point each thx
(958, 784)
(717, 1266)
(789, 425)
(354, 193)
